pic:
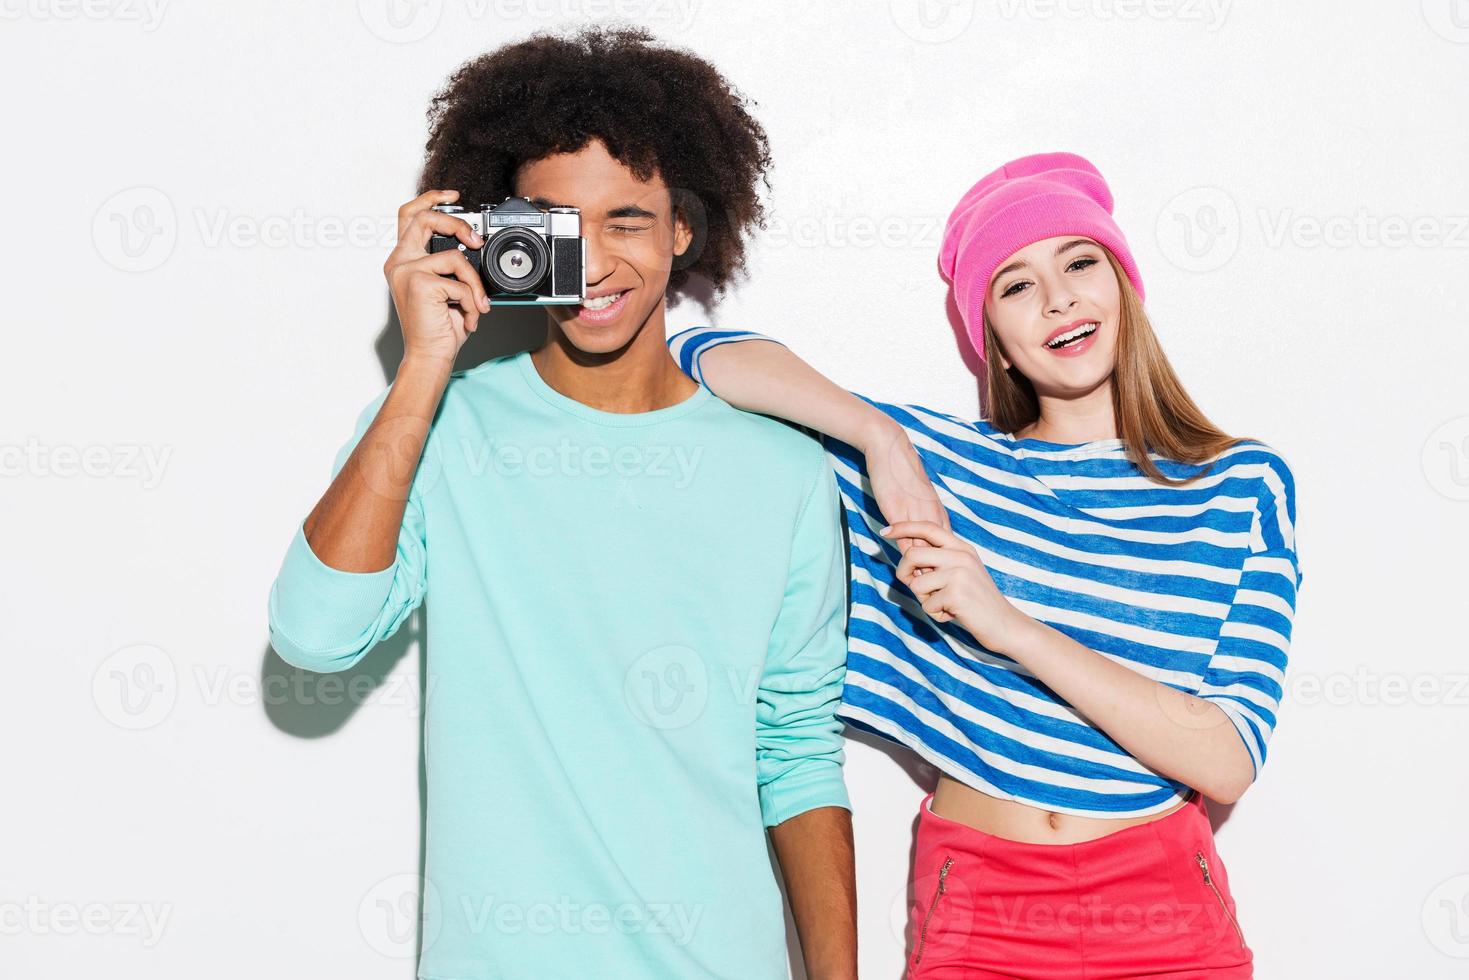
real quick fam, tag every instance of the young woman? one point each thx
(1080, 613)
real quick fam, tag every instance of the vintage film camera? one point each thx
(531, 256)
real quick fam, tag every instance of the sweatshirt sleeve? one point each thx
(325, 619)
(687, 346)
(1246, 673)
(799, 752)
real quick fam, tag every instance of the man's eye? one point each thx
(625, 229)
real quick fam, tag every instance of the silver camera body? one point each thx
(531, 257)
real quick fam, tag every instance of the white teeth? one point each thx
(601, 302)
(1080, 331)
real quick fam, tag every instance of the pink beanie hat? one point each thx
(1025, 201)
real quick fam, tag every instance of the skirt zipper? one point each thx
(1209, 880)
(938, 892)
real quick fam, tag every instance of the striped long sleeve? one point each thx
(1246, 673)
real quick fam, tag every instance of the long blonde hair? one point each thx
(1154, 413)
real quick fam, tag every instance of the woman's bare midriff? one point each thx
(1021, 822)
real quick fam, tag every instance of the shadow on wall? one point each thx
(326, 702)
(967, 353)
(321, 709)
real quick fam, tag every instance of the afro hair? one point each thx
(658, 110)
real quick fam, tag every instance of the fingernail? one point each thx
(886, 529)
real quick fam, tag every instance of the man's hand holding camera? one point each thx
(439, 296)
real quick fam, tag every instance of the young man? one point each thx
(636, 640)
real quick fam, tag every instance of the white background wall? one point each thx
(1291, 177)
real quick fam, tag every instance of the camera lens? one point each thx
(516, 261)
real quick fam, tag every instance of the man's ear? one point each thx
(683, 233)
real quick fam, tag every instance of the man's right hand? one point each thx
(437, 313)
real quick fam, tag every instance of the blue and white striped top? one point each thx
(1192, 586)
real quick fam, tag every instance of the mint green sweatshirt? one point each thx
(636, 647)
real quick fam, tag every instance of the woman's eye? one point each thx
(1081, 263)
(1014, 288)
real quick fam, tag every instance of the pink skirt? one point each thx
(1147, 901)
